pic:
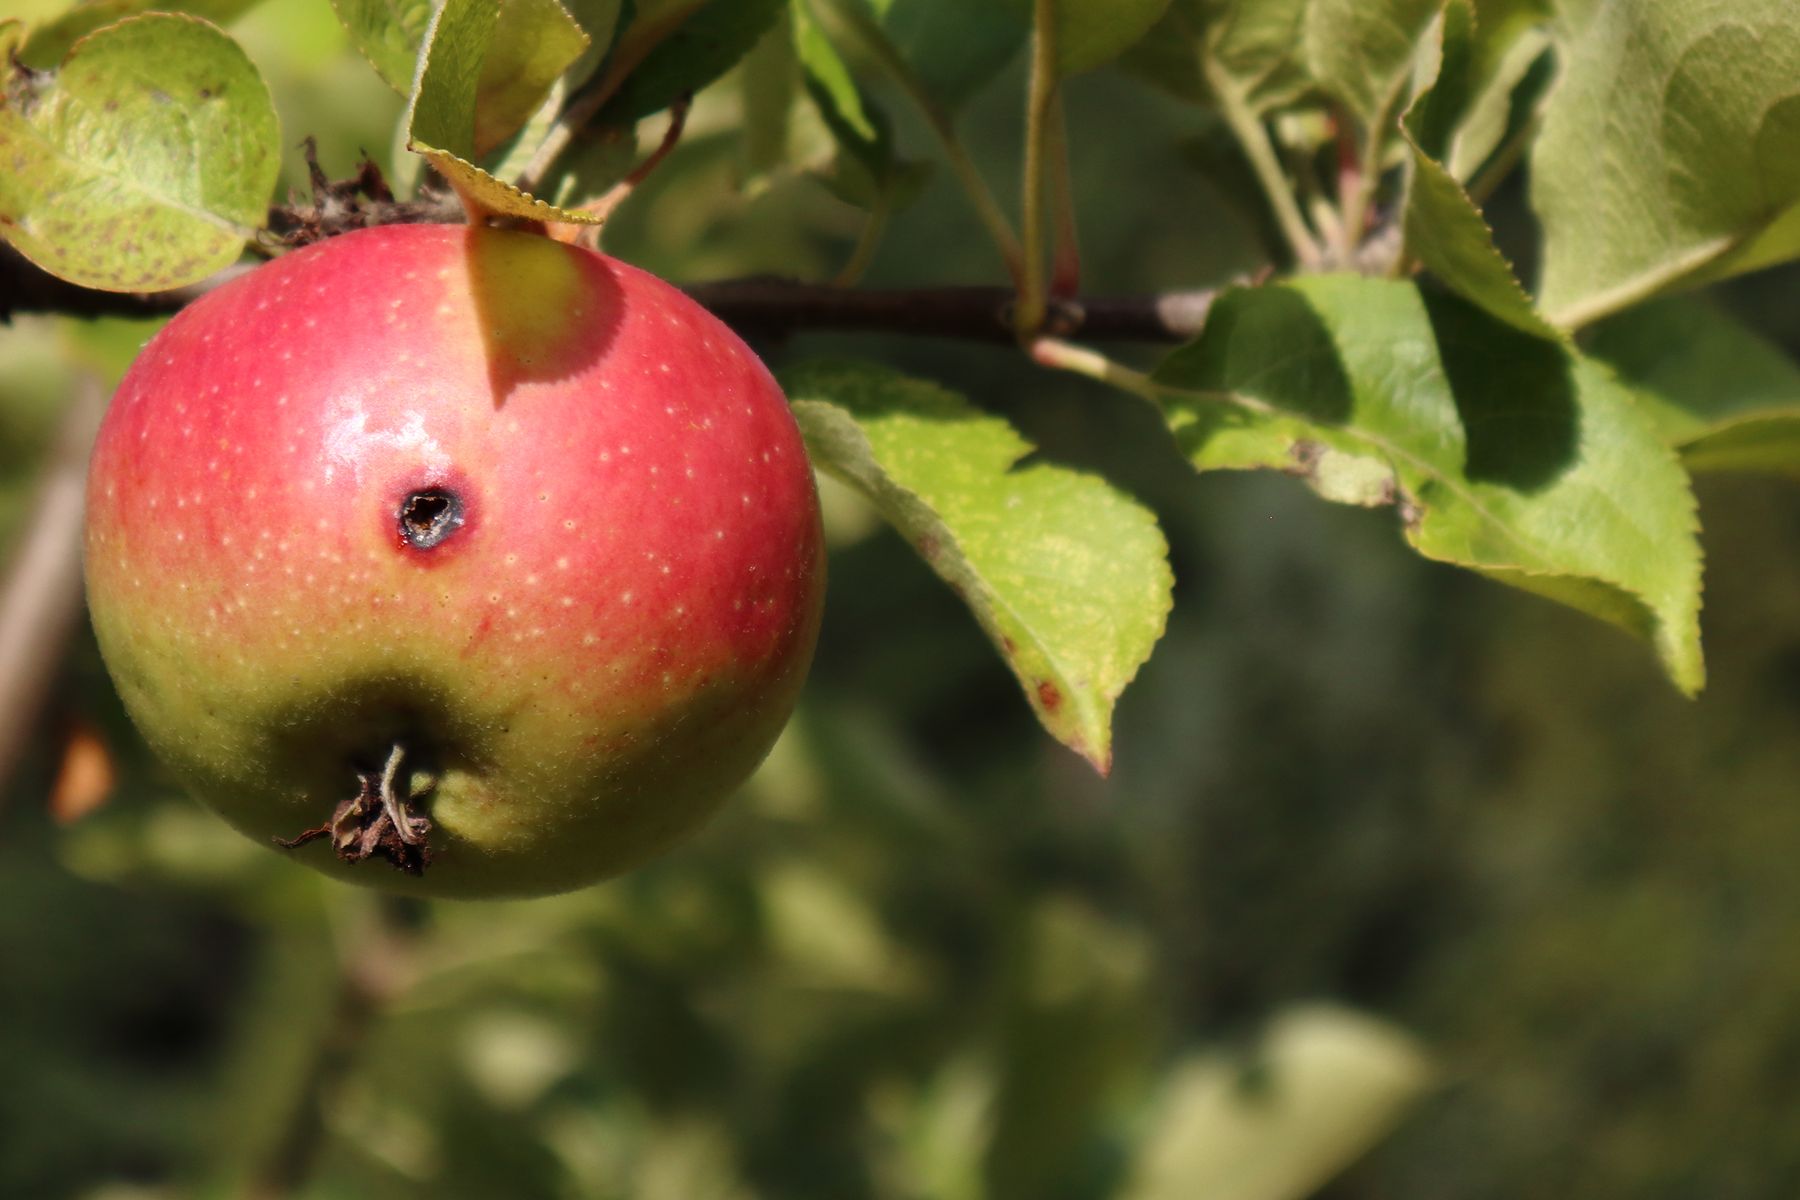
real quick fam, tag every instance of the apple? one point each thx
(460, 548)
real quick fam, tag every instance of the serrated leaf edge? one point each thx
(1097, 725)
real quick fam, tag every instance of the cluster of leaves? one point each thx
(1542, 440)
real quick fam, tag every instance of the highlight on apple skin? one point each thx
(459, 548)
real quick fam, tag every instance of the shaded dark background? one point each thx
(928, 953)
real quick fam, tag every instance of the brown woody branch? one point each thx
(759, 307)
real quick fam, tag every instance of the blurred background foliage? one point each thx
(1391, 857)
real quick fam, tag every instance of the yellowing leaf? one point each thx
(144, 162)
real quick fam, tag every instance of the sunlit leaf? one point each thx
(1447, 233)
(489, 66)
(1067, 575)
(1670, 152)
(144, 162)
(51, 41)
(1504, 453)
(443, 123)
(533, 43)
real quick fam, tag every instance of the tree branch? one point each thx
(775, 307)
(759, 307)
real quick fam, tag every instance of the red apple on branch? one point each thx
(462, 548)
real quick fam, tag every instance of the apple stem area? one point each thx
(379, 820)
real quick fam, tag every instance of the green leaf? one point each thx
(1068, 576)
(600, 19)
(1322, 1086)
(842, 104)
(1446, 80)
(1443, 228)
(867, 172)
(444, 121)
(50, 42)
(1724, 397)
(954, 47)
(533, 43)
(145, 162)
(1091, 33)
(1256, 48)
(388, 33)
(703, 43)
(1670, 152)
(1510, 70)
(1169, 56)
(1447, 233)
(768, 88)
(1361, 51)
(442, 114)
(1505, 453)
(489, 67)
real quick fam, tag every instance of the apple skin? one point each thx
(589, 664)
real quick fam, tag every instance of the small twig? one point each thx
(1079, 360)
(1065, 264)
(850, 17)
(628, 53)
(589, 235)
(1028, 315)
(40, 598)
(863, 253)
(1253, 137)
(1361, 180)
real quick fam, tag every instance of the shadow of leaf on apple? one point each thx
(547, 311)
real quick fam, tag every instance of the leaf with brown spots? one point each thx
(144, 162)
(1067, 575)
